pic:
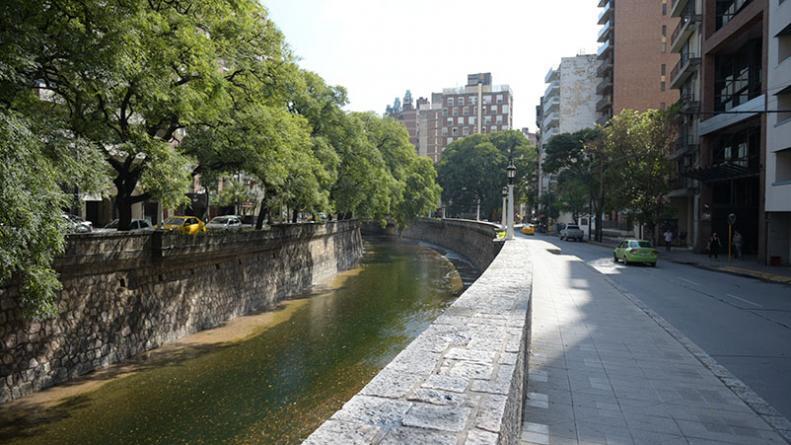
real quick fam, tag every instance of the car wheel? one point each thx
(614, 258)
(625, 261)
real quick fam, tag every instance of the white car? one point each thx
(76, 224)
(134, 225)
(572, 232)
(226, 223)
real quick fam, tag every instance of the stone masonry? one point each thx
(124, 294)
(461, 381)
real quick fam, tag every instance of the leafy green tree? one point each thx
(233, 194)
(473, 168)
(34, 172)
(154, 69)
(573, 195)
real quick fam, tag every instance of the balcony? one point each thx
(552, 76)
(551, 105)
(552, 89)
(686, 143)
(604, 51)
(606, 32)
(689, 104)
(686, 26)
(604, 69)
(677, 7)
(604, 104)
(551, 120)
(604, 88)
(685, 67)
(606, 13)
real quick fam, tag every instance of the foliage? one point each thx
(473, 168)
(31, 227)
(233, 194)
(574, 195)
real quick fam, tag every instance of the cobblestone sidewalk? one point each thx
(604, 371)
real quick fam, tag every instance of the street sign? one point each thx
(732, 219)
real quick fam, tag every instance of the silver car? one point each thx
(226, 223)
(572, 232)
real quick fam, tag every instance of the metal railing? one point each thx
(688, 18)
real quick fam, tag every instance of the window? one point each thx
(465, 131)
(444, 131)
(784, 44)
(506, 109)
(664, 8)
(454, 131)
(455, 111)
(450, 140)
(461, 101)
(784, 103)
(450, 102)
(494, 128)
(663, 69)
(494, 108)
(466, 111)
(783, 166)
(473, 100)
(450, 121)
(662, 86)
(499, 98)
(487, 99)
(471, 120)
(460, 120)
(664, 31)
(737, 77)
(499, 119)
(739, 149)
(487, 120)
(726, 10)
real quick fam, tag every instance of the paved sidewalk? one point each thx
(602, 371)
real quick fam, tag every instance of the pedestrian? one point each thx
(668, 239)
(714, 246)
(738, 240)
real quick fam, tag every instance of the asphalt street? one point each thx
(743, 323)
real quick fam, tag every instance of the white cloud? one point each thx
(378, 49)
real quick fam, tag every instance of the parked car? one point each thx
(136, 224)
(188, 225)
(226, 223)
(76, 224)
(572, 232)
(529, 229)
(635, 251)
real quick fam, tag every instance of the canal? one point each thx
(266, 379)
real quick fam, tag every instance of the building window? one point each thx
(455, 111)
(450, 121)
(662, 86)
(784, 104)
(466, 110)
(663, 69)
(783, 165)
(461, 101)
(737, 77)
(664, 7)
(664, 29)
(473, 100)
(487, 120)
(460, 120)
(450, 102)
(506, 109)
(499, 98)
(726, 10)
(471, 120)
(444, 131)
(465, 131)
(784, 44)
(494, 108)
(487, 99)
(499, 119)
(494, 128)
(454, 131)
(450, 140)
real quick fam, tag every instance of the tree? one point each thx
(154, 69)
(473, 168)
(234, 194)
(573, 195)
(34, 172)
(639, 143)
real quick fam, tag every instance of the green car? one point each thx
(635, 251)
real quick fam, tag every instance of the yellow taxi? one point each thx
(188, 225)
(529, 229)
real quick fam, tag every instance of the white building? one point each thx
(568, 105)
(778, 133)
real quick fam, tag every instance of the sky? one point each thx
(378, 49)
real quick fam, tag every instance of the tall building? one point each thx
(478, 107)
(732, 125)
(635, 55)
(568, 104)
(686, 41)
(408, 116)
(778, 134)
(532, 137)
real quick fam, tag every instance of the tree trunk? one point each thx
(124, 204)
(294, 217)
(259, 222)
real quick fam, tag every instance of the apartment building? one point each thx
(635, 56)
(477, 107)
(778, 134)
(568, 104)
(732, 124)
(686, 41)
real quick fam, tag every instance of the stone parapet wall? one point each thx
(471, 239)
(462, 381)
(124, 294)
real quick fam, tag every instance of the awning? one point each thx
(720, 173)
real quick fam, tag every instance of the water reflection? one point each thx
(276, 386)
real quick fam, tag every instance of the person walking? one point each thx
(668, 240)
(714, 246)
(738, 241)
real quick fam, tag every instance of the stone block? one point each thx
(416, 436)
(376, 411)
(443, 418)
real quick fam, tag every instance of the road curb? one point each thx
(780, 424)
(756, 275)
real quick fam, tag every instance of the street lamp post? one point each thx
(505, 202)
(511, 173)
(478, 209)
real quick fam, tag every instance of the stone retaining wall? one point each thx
(462, 381)
(127, 293)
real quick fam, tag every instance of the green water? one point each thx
(272, 388)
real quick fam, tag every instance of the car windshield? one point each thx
(638, 244)
(175, 221)
(219, 220)
(571, 227)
